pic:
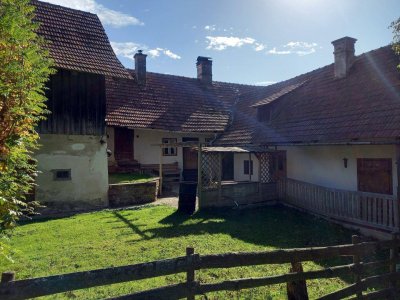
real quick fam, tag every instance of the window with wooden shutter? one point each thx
(375, 175)
(248, 167)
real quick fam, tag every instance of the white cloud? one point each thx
(299, 48)
(210, 27)
(106, 15)
(259, 47)
(222, 42)
(129, 49)
(265, 82)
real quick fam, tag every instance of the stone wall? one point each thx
(240, 194)
(125, 194)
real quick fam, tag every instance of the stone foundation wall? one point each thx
(125, 194)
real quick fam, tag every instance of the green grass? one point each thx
(115, 238)
(129, 178)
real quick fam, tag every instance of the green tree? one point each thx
(25, 67)
(396, 37)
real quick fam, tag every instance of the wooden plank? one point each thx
(356, 261)
(385, 212)
(36, 287)
(175, 291)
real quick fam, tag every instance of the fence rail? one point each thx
(36, 287)
(378, 211)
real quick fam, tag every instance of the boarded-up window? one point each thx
(375, 175)
(248, 167)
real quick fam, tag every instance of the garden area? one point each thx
(120, 237)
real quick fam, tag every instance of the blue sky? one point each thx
(250, 41)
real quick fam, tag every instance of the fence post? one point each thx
(190, 273)
(356, 260)
(7, 276)
(297, 290)
(394, 254)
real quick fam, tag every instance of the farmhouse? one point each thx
(72, 159)
(326, 141)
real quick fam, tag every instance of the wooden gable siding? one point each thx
(77, 104)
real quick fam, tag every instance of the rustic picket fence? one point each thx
(387, 281)
(368, 210)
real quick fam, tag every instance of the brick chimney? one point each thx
(204, 70)
(140, 67)
(344, 55)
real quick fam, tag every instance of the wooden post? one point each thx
(394, 254)
(249, 166)
(161, 170)
(190, 273)
(297, 290)
(396, 202)
(219, 176)
(199, 171)
(355, 239)
(7, 276)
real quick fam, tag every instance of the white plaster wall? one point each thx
(87, 159)
(239, 159)
(144, 140)
(323, 165)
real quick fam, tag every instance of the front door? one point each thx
(227, 166)
(189, 161)
(123, 143)
(279, 165)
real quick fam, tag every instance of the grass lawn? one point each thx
(114, 238)
(129, 178)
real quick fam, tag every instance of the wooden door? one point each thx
(189, 155)
(279, 165)
(375, 175)
(227, 166)
(123, 143)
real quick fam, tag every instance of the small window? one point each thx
(63, 174)
(248, 167)
(169, 151)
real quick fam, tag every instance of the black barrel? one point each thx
(187, 197)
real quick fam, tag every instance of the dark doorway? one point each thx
(227, 166)
(189, 161)
(123, 143)
(375, 175)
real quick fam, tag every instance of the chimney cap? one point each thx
(140, 52)
(344, 39)
(201, 59)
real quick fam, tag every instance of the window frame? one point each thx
(248, 167)
(169, 151)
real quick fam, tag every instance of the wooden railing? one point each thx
(366, 209)
(388, 280)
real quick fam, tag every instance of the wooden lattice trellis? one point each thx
(266, 167)
(210, 170)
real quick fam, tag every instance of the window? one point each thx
(264, 113)
(375, 175)
(63, 174)
(248, 167)
(169, 151)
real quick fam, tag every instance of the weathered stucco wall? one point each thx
(111, 145)
(124, 194)
(239, 159)
(144, 140)
(87, 159)
(323, 165)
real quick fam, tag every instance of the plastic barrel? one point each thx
(187, 197)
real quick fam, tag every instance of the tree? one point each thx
(25, 69)
(395, 25)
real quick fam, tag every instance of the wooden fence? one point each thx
(387, 280)
(377, 211)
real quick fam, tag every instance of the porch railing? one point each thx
(377, 211)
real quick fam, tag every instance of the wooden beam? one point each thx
(219, 176)
(397, 206)
(199, 171)
(160, 171)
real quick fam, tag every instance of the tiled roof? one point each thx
(362, 107)
(77, 40)
(169, 102)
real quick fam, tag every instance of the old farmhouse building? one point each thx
(326, 141)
